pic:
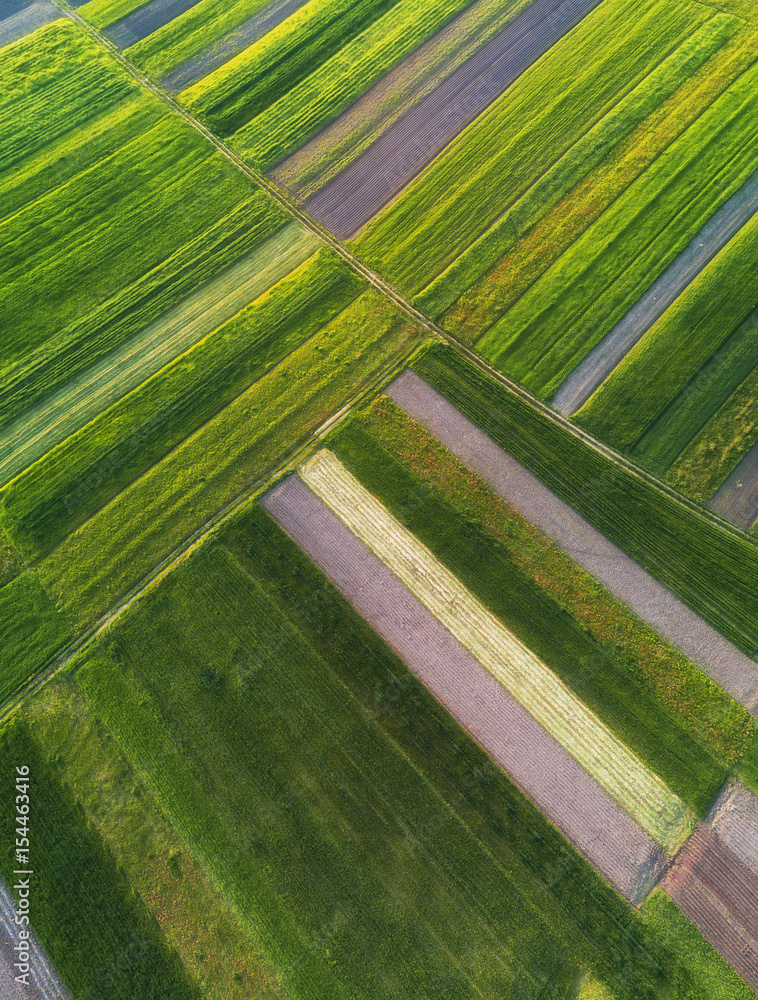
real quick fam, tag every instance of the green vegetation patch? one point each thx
(523, 133)
(256, 78)
(72, 481)
(712, 572)
(98, 934)
(32, 630)
(11, 562)
(104, 13)
(131, 309)
(52, 82)
(671, 927)
(237, 448)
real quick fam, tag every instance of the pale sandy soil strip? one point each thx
(588, 375)
(734, 817)
(370, 181)
(627, 779)
(548, 775)
(728, 666)
(719, 894)
(145, 20)
(81, 399)
(231, 44)
(44, 981)
(26, 20)
(737, 497)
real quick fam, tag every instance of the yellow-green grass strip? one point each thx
(644, 796)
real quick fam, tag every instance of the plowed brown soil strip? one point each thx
(566, 794)
(719, 894)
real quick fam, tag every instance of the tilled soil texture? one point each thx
(728, 666)
(230, 45)
(84, 396)
(613, 348)
(737, 497)
(44, 983)
(565, 793)
(719, 894)
(17, 20)
(145, 20)
(357, 194)
(734, 817)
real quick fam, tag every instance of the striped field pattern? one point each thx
(641, 793)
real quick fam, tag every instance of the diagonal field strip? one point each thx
(367, 184)
(28, 18)
(724, 224)
(734, 818)
(728, 666)
(44, 982)
(643, 794)
(563, 791)
(64, 412)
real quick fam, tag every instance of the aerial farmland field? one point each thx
(379, 499)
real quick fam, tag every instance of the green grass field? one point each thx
(72, 481)
(100, 938)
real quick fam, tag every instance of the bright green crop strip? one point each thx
(131, 310)
(611, 681)
(494, 161)
(31, 631)
(100, 937)
(256, 78)
(700, 399)
(311, 105)
(585, 154)
(675, 348)
(191, 33)
(53, 82)
(604, 273)
(42, 505)
(718, 448)
(104, 13)
(112, 551)
(639, 791)
(64, 253)
(713, 573)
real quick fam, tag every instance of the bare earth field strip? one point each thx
(538, 764)
(737, 497)
(728, 666)
(145, 20)
(44, 983)
(230, 45)
(313, 164)
(719, 895)
(357, 194)
(27, 19)
(79, 401)
(588, 375)
(734, 817)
